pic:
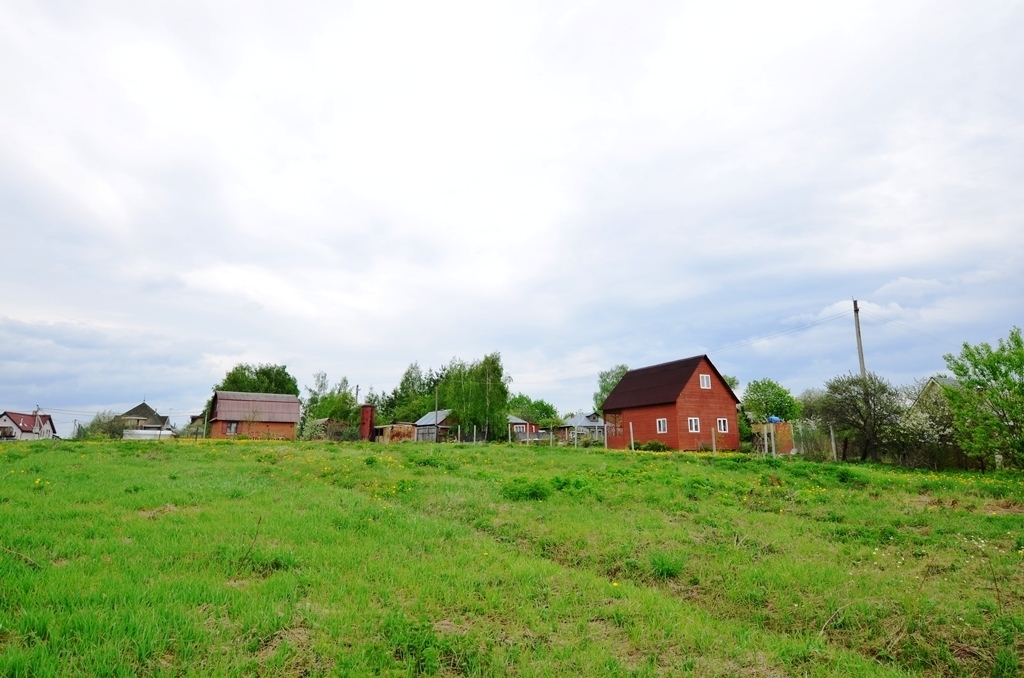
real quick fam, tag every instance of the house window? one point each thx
(6, 431)
(694, 424)
(705, 381)
(662, 425)
(519, 428)
(231, 427)
(723, 425)
(614, 424)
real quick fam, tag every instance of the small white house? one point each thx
(20, 426)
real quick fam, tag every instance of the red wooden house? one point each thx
(682, 404)
(257, 415)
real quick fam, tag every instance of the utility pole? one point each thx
(437, 424)
(860, 344)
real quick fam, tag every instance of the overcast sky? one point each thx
(352, 186)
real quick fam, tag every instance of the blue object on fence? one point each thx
(774, 420)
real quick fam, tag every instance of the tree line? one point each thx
(972, 419)
(476, 393)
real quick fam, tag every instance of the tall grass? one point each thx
(269, 558)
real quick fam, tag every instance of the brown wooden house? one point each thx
(682, 404)
(256, 415)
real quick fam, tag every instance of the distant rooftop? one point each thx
(432, 418)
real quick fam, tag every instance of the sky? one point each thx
(349, 187)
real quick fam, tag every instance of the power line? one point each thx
(751, 342)
(909, 329)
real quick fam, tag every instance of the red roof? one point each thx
(656, 384)
(27, 422)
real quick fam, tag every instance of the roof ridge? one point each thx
(670, 362)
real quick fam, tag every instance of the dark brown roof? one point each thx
(149, 416)
(656, 384)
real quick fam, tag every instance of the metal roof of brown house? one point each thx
(656, 385)
(263, 407)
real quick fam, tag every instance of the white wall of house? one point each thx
(11, 427)
(147, 434)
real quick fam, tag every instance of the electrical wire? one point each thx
(908, 329)
(722, 349)
(751, 342)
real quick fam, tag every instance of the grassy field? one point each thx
(257, 558)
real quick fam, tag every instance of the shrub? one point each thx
(654, 446)
(521, 489)
(664, 566)
(850, 477)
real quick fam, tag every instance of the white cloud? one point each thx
(355, 186)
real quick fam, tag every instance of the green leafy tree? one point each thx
(765, 398)
(477, 394)
(988, 401)
(411, 399)
(742, 420)
(534, 411)
(103, 425)
(265, 378)
(864, 411)
(606, 381)
(324, 402)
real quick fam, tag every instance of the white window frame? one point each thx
(723, 425)
(519, 428)
(693, 423)
(662, 425)
(705, 381)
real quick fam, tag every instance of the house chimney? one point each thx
(366, 422)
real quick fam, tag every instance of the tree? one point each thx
(538, 412)
(927, 425)
(863, 410)
(477, 394)
(732, 382)
(606, 381)
(337, 404)
(766, 398)
(411, 399)
(264, 378)
(103, 425)
(988, 400)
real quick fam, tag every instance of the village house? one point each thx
(20, 426)
(520, 429)
(934, 391)
(581, 426)
(142, 417)
(256, 415)
(433, 426)
(684, 404)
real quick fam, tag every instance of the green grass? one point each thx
(263, 558)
